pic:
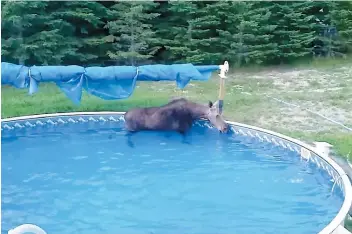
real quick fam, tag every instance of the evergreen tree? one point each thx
(31, 35)
(176, 32)
(232, 35)
(189, 34)
(294, 33)
(160, 26)
(264, 47)
(218, 44)
(247, 37)
(203, 35)
(85, 22)
(52, 32)
(130, 31)
(341, 15)
(92, 32)
(319, 20)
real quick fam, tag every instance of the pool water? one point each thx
(94, 182)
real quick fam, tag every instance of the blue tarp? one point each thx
(109, 83)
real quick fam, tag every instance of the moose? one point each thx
(177, 115)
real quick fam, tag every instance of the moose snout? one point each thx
(224, 129)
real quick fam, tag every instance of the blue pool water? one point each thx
(92, 182)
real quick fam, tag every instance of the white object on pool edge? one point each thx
(27, 228)
(323, 148)
(341, 230)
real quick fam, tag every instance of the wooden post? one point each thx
(223, 70)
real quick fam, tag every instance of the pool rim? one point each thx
(335, 223)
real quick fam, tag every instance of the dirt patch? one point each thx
(313, 89)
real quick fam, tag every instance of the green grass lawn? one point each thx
(245, 100)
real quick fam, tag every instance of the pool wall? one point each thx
(48, 123)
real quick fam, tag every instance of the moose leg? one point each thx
(168, 134)
(129, 140)
(185, 140)
(185, 127)
(184, 137)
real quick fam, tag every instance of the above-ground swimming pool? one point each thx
(76, 174)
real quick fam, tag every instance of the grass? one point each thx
(245, 99)
(342, 141)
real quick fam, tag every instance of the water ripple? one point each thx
(93, 182)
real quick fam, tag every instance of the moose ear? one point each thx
(216, 104)
(210, 104)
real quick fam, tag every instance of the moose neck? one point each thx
(198, 110)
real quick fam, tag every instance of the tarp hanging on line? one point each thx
(109, 83)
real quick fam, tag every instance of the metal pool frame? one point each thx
(307, 152)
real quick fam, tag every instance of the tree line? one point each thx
(201, 32)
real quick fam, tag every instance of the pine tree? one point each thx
(317, 13)
(203, 35)
(176, 32)
(160, 25)
(189, 35)
(32, 35)
(17, 21)
(294, 33)
(232, 36)
(264, 48)
(130, 31)
(247, 37)
(218, 45)
(341, 17)
(92, 32)
(85, 21)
